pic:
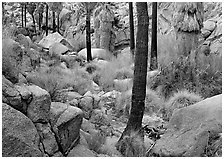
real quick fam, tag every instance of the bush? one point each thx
(116, 68)
(124, 73)
(204, 78)
(179, 100)
(153, 103)
(96, 141)
(55, 78)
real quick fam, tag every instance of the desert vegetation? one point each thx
(102, 97)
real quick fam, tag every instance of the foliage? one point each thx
(96, 141)
(179, 100)
(202, 76)
(189, 16)
(118, 67)
(153, 103)
(55, 78)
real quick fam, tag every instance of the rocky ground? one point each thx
(87, 121)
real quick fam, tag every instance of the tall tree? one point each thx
(153, 59)
(22, 13)
(188, 21)
(46, 19)
(131, 22)
(25, 14)
(54, 24)
(139, 84)
(89, 6)
(88, 34)
(40, 11)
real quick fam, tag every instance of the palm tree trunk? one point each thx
(34, 22)
(58, 22)
(22, 16)
(140, 72)
(25, 15)
(54, 24)
(39, 22)
(153, 59)
(88, 35)
(46, 19)
(131, 22)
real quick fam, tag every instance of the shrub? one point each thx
(202, 77)
(116, 68)
(55, 78)
(124, 73)
(153, 103)
(179, 100)
(109, 148)
(96, 141)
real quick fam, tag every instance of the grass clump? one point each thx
(56, 78)
(202, 78)
(197, 72)
(153, 103)
(95, 141)
(179, 100)
(115, 68)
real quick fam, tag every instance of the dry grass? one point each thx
(55, 78)
(116, 68)
(153, 103)
(179, 100)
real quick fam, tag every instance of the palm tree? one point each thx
(22, 13)
(89, 6)
(131, 22)
(46, 19)
(188, 21)
(25, 5)
(153, 59)
(139, 84)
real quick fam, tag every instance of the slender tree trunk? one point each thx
(153, 59)
(46, 19)
(34, 23)
(58, 22)
(131, 22)
(88, 35)
(54, 24)
(40, 20)
(22, 17)
(25, 15)
(139, 84)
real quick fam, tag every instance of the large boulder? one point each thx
(96, 53)
(16, 96)
(12, 55)
(190, 128)
(49, 40)
(19, 135)
(86, 104)
(47, 138)
(66, 123)
(57, 49)
(64, 96)
(39, 108)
